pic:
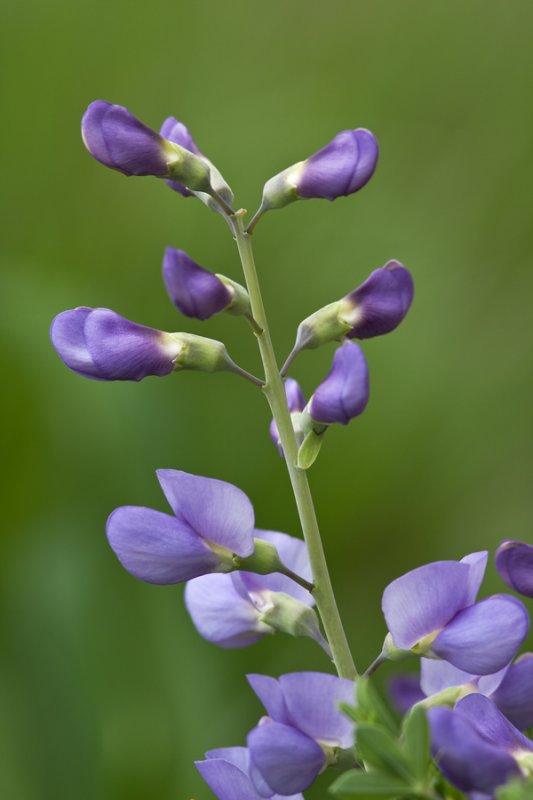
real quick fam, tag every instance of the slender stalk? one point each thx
(275, 393)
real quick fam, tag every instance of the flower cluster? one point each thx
(244, 583)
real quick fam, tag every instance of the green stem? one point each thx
(275, 393)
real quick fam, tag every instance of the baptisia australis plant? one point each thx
(463, 723)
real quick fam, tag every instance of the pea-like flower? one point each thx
(343, 394)
(514, 562)
(98, 343)
(198, 293)
(227, 773)
(239, 609)
(340, 168)
(302, 732)
(432, 611)
(476, 747)
(212, 522)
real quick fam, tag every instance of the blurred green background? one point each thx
(107, 692)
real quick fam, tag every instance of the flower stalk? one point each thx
(275, 393)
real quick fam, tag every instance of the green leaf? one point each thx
(415, 741)
(371, 707)
(516, 790)
(376, 746)
(357, 783)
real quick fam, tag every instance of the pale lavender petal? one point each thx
(478, 564)
(343, 394)
(424, 600)
(287, 760)
(381, 302)
(156, 547)
(195, 291)
(67, 333)
(490, 723)
(270, 694)
(436, 676)
(215, 510)
(514, 562)
(313, 699)
(468, 760)
(119, 140)
(514, 696)
(483, 638)
(340, 168)
(124, 350)
(238, 756)
(220, 614)
(293, 553)
(405, 691)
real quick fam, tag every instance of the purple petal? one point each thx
(293, 553)
(405, 691)
(478, 564)
(124, 350)
(342, 167)
(287, 760)
(158, 548)
(491, 723)
(220, 614)
(343, 395)
(215, 510)
(483, 638)
(270, 694)
(178, 133)
(514, 696)
(514, 562)
(436, 676)
(119, 140)
(320, 719)
(381, 302)
(425, 600)
(468, 760)
(195, 291)
(67, 333)
(240, 758)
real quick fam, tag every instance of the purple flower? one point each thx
(343, 395)
(476, 747)
(380, 303)
(229, 610)
(405, 692)
(296, 403)
(195, 291)
(119, 140)
(432, 611)
(98, 343)
(514, 562)
(227, 773)
(212, 521)
(296, 741)
(514, 695)
(340, 168)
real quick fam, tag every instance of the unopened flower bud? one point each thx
(340, 168)
(289, 615)
(178, 133)
(120, 141)
(195, 291)
(514, 562)
(296, 403)
(343, 395)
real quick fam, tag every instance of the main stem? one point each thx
(275, 393)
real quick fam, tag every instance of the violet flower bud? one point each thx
(239, 609)
(343, 394)
(290, 747)
(198, 293)
(432, 611)
(514, 562)
(98, 343)
(227, 773)
(120, 141)
(476, 748)
(178, 133)
(340, 168)
(213, 520)
(296, 403)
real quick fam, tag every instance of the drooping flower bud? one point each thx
(120, 141)
(514, 562)
(343, 394)
(99, 343)
(340, 168)
(198, 293)
(296, 403)
(178, 133)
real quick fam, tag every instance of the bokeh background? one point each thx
(106, 690)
